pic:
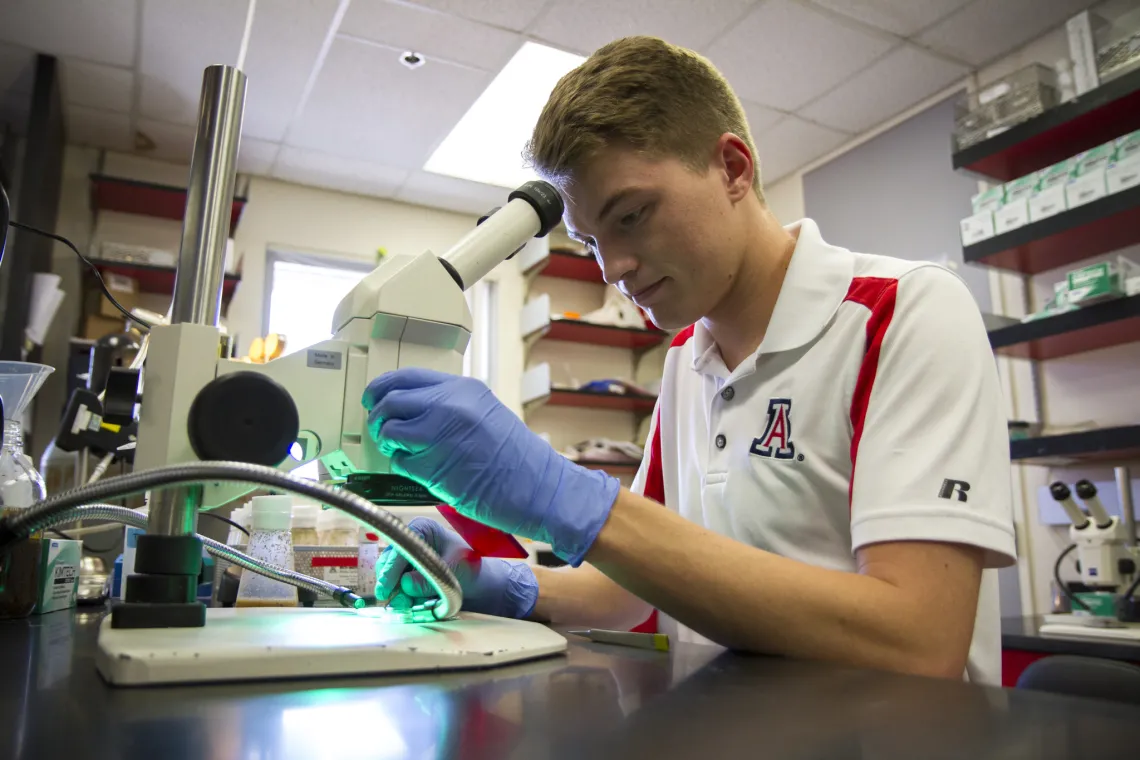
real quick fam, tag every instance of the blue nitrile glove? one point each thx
(453, 436)
(490, 585)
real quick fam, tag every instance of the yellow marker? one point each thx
(110, 426)
(658, 641)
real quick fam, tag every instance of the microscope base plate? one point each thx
(251, 644)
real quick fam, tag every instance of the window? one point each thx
(303, 291)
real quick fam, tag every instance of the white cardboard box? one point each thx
(1086, 188)
(1011, 216)
(977, 228)
(1123, 175)
(1047, 203)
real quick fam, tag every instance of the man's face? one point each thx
(663, 233)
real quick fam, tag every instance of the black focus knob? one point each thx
(243, 417)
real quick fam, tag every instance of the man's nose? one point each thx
(617, 263)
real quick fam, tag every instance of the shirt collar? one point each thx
(818, 278)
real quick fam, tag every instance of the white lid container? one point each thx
(305, 515)
(272, 512)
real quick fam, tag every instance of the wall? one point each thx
(786, 198)
(897, 195)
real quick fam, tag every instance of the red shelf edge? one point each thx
(614, 401)
(575, 331)
(148, 199)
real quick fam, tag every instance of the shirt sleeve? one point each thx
(652, 448)
(930, 445)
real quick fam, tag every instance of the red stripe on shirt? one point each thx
(654, 477)
(878, 295)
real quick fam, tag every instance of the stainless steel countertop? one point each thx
(597, 701)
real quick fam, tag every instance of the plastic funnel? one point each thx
(19, 383)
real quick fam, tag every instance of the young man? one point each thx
(829, 445)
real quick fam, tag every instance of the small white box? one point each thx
(1086, 189)
(1047, 203)
(1123, 175)
(977, 228)
(1011, 216)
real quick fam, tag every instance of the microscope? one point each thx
(203, 412)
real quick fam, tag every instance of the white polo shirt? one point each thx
(871, 412)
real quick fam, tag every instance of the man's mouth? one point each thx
(646, 292)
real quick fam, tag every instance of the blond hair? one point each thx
(644, 93)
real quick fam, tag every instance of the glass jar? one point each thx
(20, 487)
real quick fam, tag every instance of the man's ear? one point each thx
(734, 160)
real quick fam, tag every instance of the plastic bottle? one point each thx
(240, 515)
(305, 524)
(336, 528)
(366, 556)
(271, 541)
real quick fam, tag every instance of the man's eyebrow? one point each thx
(614, 199)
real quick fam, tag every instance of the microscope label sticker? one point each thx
(324, 359)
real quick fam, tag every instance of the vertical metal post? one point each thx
(209, 198)
(201, 259)
(1127, 509)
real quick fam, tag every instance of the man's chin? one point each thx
(667, 319)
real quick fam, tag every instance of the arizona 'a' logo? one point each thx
(776, 442)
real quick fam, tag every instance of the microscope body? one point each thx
(408, 312)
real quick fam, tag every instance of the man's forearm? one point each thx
(752, 600)
(584, 596)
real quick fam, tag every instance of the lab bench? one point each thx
(596, 701)
(1022, 645)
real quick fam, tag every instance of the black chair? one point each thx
(1091, 677)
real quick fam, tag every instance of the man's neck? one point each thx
(740, 320)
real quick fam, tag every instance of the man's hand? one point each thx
(491, 586)
(453, 436)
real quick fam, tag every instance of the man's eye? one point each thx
(632, 217)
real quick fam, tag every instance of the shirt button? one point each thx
(727, 393)
(721, 441)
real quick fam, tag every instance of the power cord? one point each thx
(227, 520)
(94, 270)
(1064, 587)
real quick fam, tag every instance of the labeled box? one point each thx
(59, 574)
(1122, 175)
(1086, 188)
(977, 228)
(1097, 282)
(989, 200)
(1011, 216)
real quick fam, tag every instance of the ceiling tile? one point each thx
(585, 25)
(890, 85)
(99, 129)
(97, 86)
(983, 31)
(95, 30)
(367, 105)
(759, 117)
(792, 143)
(17, 70)
(283, 48)
(179, 41)
(439, 191)
(308, 167)
(784, 55)
(902, 17)
(172, 142)
(256, 156)
(509, 14)
(434, 34)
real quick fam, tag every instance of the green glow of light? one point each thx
(359, 604)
